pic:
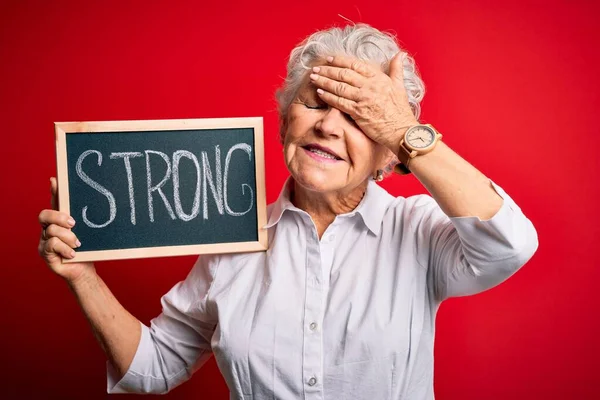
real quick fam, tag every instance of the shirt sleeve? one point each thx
(467, 255)
(177, 343)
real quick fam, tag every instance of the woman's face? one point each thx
(324, 149)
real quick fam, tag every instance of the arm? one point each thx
(459, 188)
(141, 359)
(177, 343)
(467, 255)
(473, 236)
(117, 331)
(477, 236)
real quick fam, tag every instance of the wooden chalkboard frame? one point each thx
(256, 123)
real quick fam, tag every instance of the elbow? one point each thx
(519, 252)
(155, 388)
(514, 255)
(161, 384)
(155, 369)
(140, 385)
(527, 246)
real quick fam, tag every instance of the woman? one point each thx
(343, 303)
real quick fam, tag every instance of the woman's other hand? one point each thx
(57, 242)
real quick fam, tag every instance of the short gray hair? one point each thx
(361, 41)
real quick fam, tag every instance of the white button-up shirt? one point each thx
(350, 316)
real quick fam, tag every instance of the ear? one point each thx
(385, 157)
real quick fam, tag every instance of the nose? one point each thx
(332, 123)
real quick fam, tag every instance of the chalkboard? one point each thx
(163, 187)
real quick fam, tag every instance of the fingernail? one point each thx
(71, 221)
(72, 254)
(316, 69)
(320, 91)
(78, 243)
(329, 59)
(314, 77)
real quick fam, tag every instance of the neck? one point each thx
(324, 207)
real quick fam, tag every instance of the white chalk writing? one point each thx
(126, 156)
(216, 180)
(112, 206)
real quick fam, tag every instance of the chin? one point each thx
(315, 177)
(316, 182)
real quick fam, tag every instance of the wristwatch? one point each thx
(418, 140)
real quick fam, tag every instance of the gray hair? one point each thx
(361, 41)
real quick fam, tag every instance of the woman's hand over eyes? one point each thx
(377, 102)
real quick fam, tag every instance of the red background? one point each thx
(513, 86)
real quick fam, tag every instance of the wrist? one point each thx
(86, 279)
(398, 132)
(422, 140)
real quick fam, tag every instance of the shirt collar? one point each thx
(283, 203)
(371, 208)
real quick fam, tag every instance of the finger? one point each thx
(396, 69)
(341, 74)
(64, 234)
(345, 105)
(48, 217)
(352, 63)
(55, 246)
(340, 89)
(54, 193)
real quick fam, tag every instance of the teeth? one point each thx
(322, 154)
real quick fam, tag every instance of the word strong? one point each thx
(164, 171)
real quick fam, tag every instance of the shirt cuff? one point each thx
(133, 379)
(504, 235)
(508, 203)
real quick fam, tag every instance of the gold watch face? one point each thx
(420, 137)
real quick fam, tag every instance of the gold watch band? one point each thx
(404, 157)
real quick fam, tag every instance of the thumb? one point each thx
(53, 191)
(396, 70)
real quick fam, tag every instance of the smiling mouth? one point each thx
(321, 152)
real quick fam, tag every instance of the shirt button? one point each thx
(312, 381)
(313, 326)
(331, 238)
